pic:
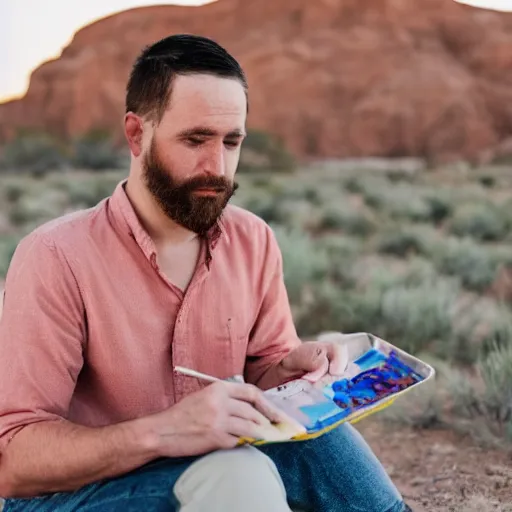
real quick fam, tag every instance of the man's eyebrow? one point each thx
(203, 131)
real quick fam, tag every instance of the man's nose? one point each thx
(215, 162)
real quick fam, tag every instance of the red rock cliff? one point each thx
(334, 78)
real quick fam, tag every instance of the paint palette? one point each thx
(376, 375)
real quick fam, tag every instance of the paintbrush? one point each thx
(280, 431)
(205, 376)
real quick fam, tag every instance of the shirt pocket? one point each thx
(238, 340)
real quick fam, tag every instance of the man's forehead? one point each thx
(207, 91)
(205, 101)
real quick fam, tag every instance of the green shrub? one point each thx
(414, 209)
(498, 332)
(304, 263)
(341, 252)
(479, 324)
(354, 184)
(320, 313)
(34, 152)
(96, 151)
(487, 181)
(402, 243)
(85, 192)
(339, 248)
(8, 244)
(496, 372)
(440, 207)
(348, 219)
(297, 214)
(403, 201)
(264, 151)
(481, 221)
(313, 195)
(370, 186)
(474, 265)
(419, 271)
(263, 205)
(411, 317)
(13, 191)
(416, 317)
(37, 208)
(481, 404)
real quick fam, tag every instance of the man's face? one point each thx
(190, 165)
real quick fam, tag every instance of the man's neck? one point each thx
(159, 227)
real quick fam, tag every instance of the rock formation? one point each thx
(333, 78)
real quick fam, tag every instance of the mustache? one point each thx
(218, 183)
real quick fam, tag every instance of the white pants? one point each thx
(240, 480)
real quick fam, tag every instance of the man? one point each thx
(100, 305)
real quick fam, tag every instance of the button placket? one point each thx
(179, 345)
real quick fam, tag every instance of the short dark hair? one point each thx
(150, 83)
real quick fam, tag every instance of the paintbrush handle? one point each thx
(194, 373)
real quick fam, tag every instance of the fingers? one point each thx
(312, 359)
(320, 358)
(319, 372)
(247, 412)
(254, 396)
(242, 428)
(226, 440)
(338, 358)
(308, 357)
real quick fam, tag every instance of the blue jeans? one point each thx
(336, 472)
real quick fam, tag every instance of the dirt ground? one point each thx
(439, 471)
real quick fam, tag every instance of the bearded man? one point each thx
(100, 306)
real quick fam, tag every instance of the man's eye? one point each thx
(231, 143)
(195, 141)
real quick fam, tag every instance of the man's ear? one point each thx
(133, 130)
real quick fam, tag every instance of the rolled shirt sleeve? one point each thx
(274, 334)
(42, 336)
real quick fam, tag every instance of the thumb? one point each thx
(310, 359)
(319, 366)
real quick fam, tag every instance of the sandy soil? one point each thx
(439, 471)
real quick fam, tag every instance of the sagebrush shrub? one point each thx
(474, 265)
(303, 262)
(34, 152)
(96, 151)
(481, 221)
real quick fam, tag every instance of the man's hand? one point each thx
(314, 359)
(215, 418)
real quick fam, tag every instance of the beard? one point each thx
(178, 200)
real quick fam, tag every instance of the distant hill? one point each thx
(334, 78)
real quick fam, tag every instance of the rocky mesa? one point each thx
(333, 78)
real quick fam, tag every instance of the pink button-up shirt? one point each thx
(91, 328)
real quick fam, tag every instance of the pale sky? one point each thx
(32, 31)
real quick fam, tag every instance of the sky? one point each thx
(26, 41)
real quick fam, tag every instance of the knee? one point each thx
(246, 469)
(244, 463)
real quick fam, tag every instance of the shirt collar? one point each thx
(125, 214)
